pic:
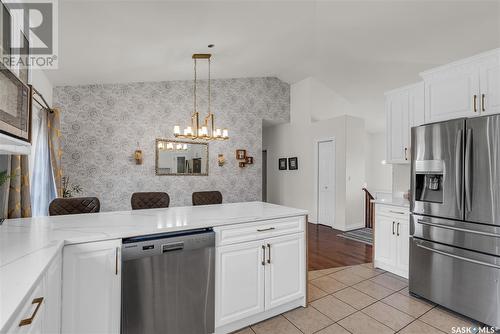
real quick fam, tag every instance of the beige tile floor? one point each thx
(360, 299)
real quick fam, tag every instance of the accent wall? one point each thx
(102, 126)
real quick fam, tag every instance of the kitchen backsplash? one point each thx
(400, 178)
(102, 125)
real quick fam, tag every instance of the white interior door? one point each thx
(326, 182)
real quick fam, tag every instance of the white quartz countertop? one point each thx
(28, 245)
(401, 202)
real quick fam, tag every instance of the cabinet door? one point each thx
(239, 281)
(31, 316)
(452, 93)
(490, 86)
(385, 231)
(53, 292)
(416, 105)
(91, 287)
(285, 269)
(398, 127)
(402, 247)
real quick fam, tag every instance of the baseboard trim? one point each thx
(355, 227)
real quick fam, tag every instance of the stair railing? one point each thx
(369, 209)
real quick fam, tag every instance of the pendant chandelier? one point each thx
(207, 130)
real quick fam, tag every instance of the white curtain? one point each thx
(43, 187)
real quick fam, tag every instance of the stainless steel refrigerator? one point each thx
(455, 220)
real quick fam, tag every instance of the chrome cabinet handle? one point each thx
(393, 227)
(269, 254)
(406, 153)
(29, 320)
(475, 103)
(116, 260)
(458, 257)
(263, 255)
(483, 108)
(397, 229)
(265, 229)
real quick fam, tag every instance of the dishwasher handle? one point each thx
(173, 246)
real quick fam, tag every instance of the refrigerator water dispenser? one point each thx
(429, 177)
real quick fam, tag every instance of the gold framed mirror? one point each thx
(178, 157)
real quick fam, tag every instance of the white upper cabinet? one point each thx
(465, 88)
(404, 109)
(489, 78)
(451, 94)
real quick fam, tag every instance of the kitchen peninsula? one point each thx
(49, 264)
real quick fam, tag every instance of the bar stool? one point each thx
(207, 197)
(75, 205)
(149, 200)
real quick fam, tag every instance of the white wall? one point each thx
(299, 137)
(378, 175)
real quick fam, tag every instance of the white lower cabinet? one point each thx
(255, 277)
(42, 310)
(385, 247)
(91, 287)
(53, 292)
(284, 270)
(240, 281)
(392, 241)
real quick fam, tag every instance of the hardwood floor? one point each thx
(327, 250)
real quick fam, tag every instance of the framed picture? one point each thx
(242, 164)
(249, 160)
(282, 165)
(241, 154)
(293, 163)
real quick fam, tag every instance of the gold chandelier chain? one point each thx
(194, 90)
(209, 92)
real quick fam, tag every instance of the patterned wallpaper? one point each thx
(102, 125)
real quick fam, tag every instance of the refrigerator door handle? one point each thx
(458, 167)
(458, 257)
(468, 162)
(494, 235)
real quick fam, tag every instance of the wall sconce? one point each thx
(138, 157)
(220, 160)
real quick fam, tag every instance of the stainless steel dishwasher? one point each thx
(168, 283)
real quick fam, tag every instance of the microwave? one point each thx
(15, 105)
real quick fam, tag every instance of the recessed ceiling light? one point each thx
(211, 45)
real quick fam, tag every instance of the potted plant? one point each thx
(68, 189)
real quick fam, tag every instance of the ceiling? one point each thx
(359, 49)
